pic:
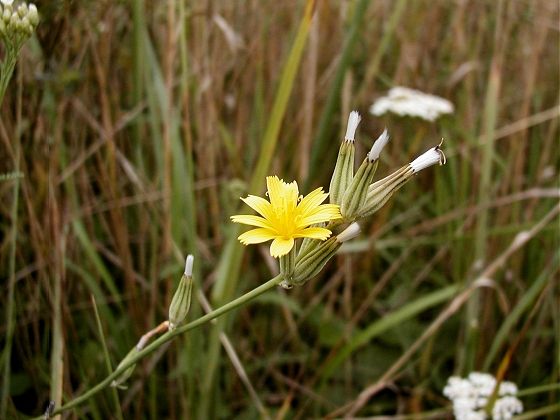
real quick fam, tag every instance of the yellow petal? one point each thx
(251, 220)
(281, 246)
(275, 190)
(314, 233)
(323, 213)
(260, 205)
(256, 236)
(291, 194)
(312, 200)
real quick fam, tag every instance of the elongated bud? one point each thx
(181, 302)
(311, 263)
(14, 22)
(123, 377)
(33, 15)
(22, 10)
(344, 168)
(381, 191)
(355, 196)
(7, 14)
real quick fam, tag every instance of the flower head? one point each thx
(470, 397)
(405, 101)
(286, 217)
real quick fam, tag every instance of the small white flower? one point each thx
(353, 121)
(505, 407)
(378, 146)
(457, 388)
(470, 397)
(427, 159)
(7, 2)
(508, 388)
(410, 102)
(484, 383)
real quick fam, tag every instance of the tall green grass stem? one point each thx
(319, 143)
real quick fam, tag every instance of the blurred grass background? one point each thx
(137, 126)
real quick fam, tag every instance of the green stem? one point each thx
(538, 389)
(333, 97)
(167, 337)
(7, 69)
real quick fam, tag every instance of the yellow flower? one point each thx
(286, 217)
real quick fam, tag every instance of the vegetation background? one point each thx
(137, 125)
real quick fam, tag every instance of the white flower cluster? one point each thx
(470, 396)
(405, 101)
(17, 24)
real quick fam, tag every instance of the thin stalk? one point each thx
(6, 70)
(281, 100)
(240, 301)
(114, 392)
(10, 307)
(388, 32)
(319, 142)
(538, 389)
(57, 349)
(539, 413)
(485, 193)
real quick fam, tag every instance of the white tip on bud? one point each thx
(428, 158)
(378, 146)
(33, 14)
(353, 121)
(189, 265)
(349, 233)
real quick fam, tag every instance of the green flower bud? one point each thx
(308, 244)
(14, 21)
(313, 260)
(123, 377)
(344, 168)
(33, 15)
(381, 191)
(22, 10)
(181, 302)
(7, 13)
(26, 26)
(355, 196)
(311, 263)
